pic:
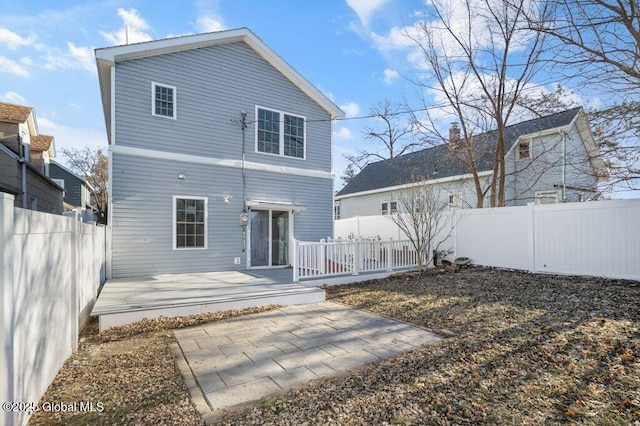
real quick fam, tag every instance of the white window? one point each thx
(524, 149)
(336, 211)
(393, 206)
(385, 208)
(189, 222)
(280, 133)
(547, 197)
(455, 200)
(389, 207)
(163, 100)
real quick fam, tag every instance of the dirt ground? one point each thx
(521, 349)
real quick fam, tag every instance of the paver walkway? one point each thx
(246, 358)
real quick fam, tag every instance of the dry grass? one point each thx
(131, 371)
(528, 349)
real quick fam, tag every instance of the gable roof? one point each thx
(436, 162)
(108, 56)
(14, 113)
(41, 142)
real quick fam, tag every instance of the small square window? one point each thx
(394, 206)
(455, 200)
(164, 100)
(385, 208)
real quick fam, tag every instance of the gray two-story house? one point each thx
(549, 159)
(220, 155)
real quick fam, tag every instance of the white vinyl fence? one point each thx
(51, 268)
(599, 238)
(324, 259)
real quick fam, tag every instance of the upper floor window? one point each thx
(389, 207)
(280, 133)
(524, 149)
(455, 200)
(164, 100)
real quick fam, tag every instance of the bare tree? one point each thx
(348, 174)
(389, 138)
(480, 78)
(597, 43)
(424, 217)
(93, 166)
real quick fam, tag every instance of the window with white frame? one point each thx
(190, 222)
(393, 207)
(385, 208)
(524, 149)
(455, 200)
(547, 197)
(389, 207)
(336, 210)
(164, 100)
(280, 133)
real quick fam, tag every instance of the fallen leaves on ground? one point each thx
(526, 349)
(131, 371)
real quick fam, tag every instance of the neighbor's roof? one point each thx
(436, 162)
(108, 56)
(41, 143)
(14, 113)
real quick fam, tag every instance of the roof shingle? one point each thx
(41, 142)
(437, 162)
(17, 113)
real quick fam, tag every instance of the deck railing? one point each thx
(340, 257)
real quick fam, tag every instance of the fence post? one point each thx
(390, 255)
(532, 237)
(296, 260)
(76, 268)
(356, 257)
(7, 279)
(323, 256)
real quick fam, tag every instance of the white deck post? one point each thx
(356, 257)
(296, 261)
(389, 255)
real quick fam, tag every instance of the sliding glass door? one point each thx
(269, 238)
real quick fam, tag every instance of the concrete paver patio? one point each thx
(246, 358)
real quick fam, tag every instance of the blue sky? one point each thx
(344, 48)
(352, 50)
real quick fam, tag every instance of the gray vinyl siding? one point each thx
(144, 188)
(213, 85)
(544, 171)
(72, 185)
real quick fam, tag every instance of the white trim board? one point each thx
(211, 161)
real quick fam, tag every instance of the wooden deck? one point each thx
(127, 300)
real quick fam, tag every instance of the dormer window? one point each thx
(164, 100)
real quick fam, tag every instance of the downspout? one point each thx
(23, 179)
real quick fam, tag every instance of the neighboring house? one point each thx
(25, 156)
(549, 160)
(220, 155)
(79, 196)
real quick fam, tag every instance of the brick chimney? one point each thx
(454, 136)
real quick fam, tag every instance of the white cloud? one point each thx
(13, 98)
(71, 137)
(365, 8)
(13, 40)
(390, 76)
(342, 134)
(12, 67)
(133, 29)
(351, 109)
(209, 23)
(83, 56)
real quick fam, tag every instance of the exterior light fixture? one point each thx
(182, 176)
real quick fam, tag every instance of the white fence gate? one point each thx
(51, 268)
(600, 238)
